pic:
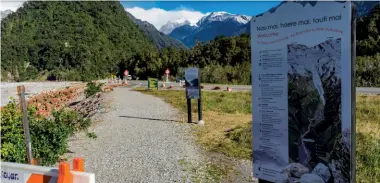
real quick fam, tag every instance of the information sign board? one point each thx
(303, 97)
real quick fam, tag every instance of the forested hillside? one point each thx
(88, 40)
(69, 40)
(368, 49)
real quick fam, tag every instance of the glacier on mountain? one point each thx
(171, 25)
(204, 21)
(223, 16)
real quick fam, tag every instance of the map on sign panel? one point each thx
(191, 77)
(192, 80)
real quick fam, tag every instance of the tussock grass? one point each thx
(216, 101)
(368, 138)
(228, 124)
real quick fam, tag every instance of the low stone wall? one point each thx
(46, 102)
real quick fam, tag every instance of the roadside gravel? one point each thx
(137, 141)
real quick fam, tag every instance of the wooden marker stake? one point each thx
(24, 110)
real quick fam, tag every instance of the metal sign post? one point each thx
(167, 75)
(126, 73)
(189, 110)
(28, 141)
(193, 91)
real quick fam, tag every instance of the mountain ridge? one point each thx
(204, 32)
(5, 13)
(210, 26)
(171, 25)
(159, 39)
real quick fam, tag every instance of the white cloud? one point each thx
(156, 16)
(12, 5)
(159, 17)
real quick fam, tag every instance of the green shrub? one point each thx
(368, 71)
(73, 120)
(49, 140)
(12, 134)
(93, 88)
(49, 136)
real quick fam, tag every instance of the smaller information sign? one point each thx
(152, 83)
(192, 78)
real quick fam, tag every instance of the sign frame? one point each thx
(190, 94)
(350, 83)
(353, 93)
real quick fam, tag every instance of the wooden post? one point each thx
(34, 161)
(189, 110)
(28, 142)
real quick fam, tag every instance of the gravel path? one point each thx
(137, 141)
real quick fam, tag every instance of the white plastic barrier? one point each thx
(24, 173)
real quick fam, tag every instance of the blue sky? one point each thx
(159, 13)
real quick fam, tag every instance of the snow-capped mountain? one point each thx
(227, 24)
(171, 25)
(210, 26)
(5, 13)
(223, 16)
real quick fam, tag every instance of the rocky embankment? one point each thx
(9, 89)
(89, 106)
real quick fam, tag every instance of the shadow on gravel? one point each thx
(69, 151)
(154, 119)
(73, 103)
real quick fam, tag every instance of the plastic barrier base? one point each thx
(24, 173)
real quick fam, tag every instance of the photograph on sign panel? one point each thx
(314, 88)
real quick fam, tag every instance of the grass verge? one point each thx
(368, 138)
(222, 112)
(228, 126)
(204, 172)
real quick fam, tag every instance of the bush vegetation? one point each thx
(93, 88)
(49, 136)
